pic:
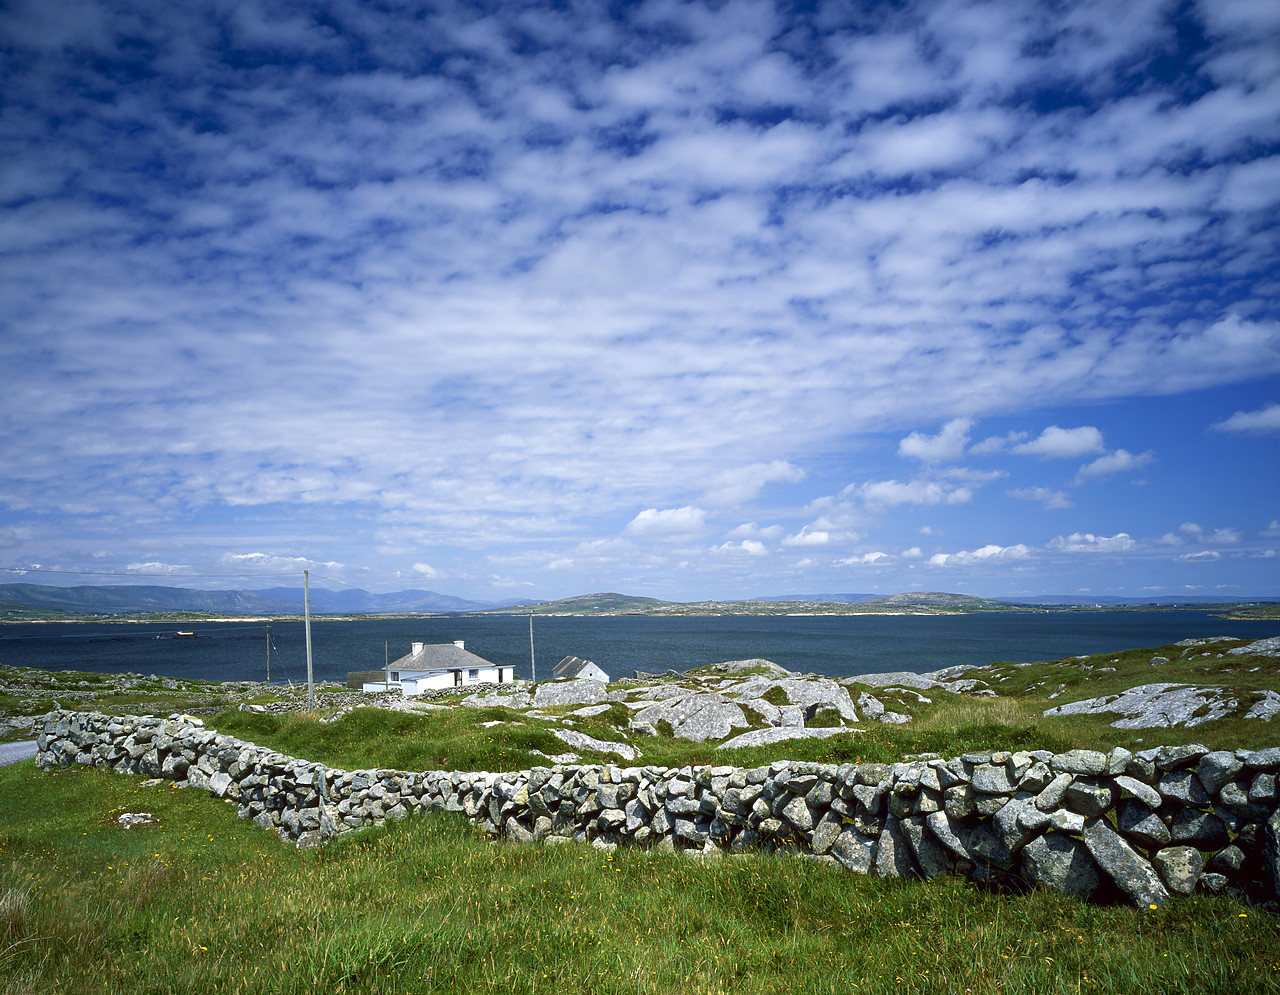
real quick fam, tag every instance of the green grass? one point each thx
(200, 902)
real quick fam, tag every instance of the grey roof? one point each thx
(439, 656)
(573, 666)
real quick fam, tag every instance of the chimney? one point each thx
(458, 643)
(417, 648)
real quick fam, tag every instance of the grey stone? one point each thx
(1180, 868)
(992, 780)
(1183, 786)
(1066, 821)
(1228, 859)
(1061, 863)
(1088, 799)
(1151, 706)
(855, 851)
(1008, 825)
(1271, 852)
(1180, 757)
(940, 825)
(1148, 795)
(987, 848)
(1053, 793)
(1268, 759)
(777, 734)
(893, 852)
(581, 741)
(1036, 778)
(825, 833)
(959, 801)
(797, 813)
(573, 692)
(1200, 828)
(1235, 798)
(931, 856)
(1133, 875)
(1217, 768)
(1263, 790)
(1080, 762)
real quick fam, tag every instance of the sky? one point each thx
(682, 299)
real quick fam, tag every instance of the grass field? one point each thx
(200, 902)
(197, 901)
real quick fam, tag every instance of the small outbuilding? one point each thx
(573, 666)
(437, 666)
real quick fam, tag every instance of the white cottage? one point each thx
(430, 666)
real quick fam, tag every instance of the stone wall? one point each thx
(1168, 820)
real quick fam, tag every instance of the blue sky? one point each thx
(690, 300)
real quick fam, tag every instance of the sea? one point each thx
(833, 646)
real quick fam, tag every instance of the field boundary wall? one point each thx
(1166, 821)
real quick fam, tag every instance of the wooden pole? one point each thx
(533, 663)
(306, 608)
(268, 654)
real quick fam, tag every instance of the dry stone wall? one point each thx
(1165, 821)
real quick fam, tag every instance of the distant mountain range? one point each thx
(941, 599)
(25, 599)
(272, 601)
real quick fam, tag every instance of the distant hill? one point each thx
(355, 600)
(110, 600)
(843, 599)
(137, 598)
(590, 604)
(933, 599)
(1156, 599)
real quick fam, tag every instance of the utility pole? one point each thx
(306, 608)
(533, 664)
(268, 654)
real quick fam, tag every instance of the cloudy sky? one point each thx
(680, 299)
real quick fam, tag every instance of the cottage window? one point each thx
(395, 675)
(473, 675)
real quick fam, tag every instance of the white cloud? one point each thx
(866, 559)
(947, 446)
(891, 493)
(1087, 542)
(751, 530)
(914, 553)
(808, 536)
(1120, 461)
(1203, 556)
(527, 272)
(668, 522)
(1263, 420)
(1225, 536)
(154, 567)
(1063, 443)
(990, 553)
(740, 484)
(426, 570)
(996, 443)
(1052, 499)
(1273, 529)
(751, 547)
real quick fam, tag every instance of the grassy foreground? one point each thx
(199, 902)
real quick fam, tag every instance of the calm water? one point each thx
(841, 646)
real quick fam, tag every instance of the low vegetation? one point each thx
(196, 901)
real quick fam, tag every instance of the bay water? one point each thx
(833, 646)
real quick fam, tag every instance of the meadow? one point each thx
(195, 900)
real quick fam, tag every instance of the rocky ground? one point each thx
(737, 703)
